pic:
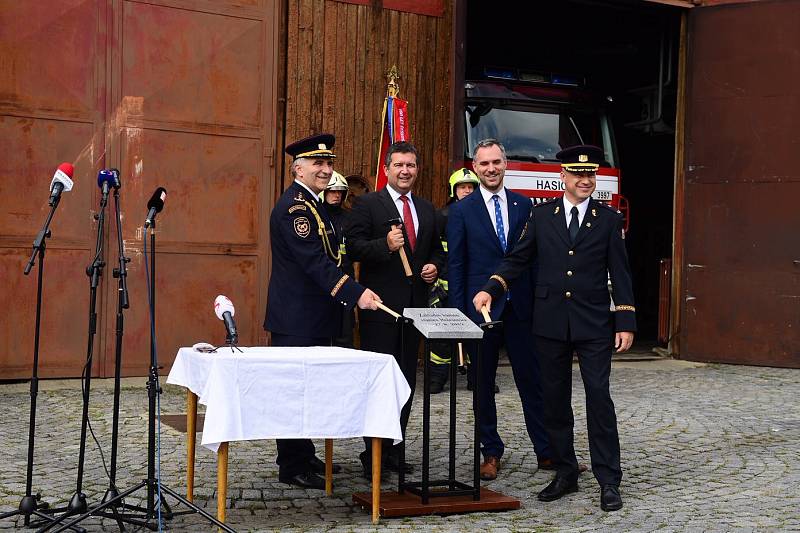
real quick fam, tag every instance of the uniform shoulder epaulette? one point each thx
(609, 207)
(549, 201)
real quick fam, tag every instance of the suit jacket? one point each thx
(307, 291)
(572, 300)
(382, 270)
(474, 253)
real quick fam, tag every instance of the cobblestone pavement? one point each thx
(704, 448)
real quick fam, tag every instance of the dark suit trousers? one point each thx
(294, 454)
(385, 338)
(594, 358)
(516, 335)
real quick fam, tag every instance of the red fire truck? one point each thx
(535, 115)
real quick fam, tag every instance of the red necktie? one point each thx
(408, 221)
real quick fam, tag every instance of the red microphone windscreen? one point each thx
(67, 169)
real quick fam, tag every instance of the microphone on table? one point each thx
(223, 307)
(62, 181)
(155, 205)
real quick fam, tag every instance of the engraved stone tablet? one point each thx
(443, 323)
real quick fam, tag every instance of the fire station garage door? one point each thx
(174, 94)
(741, 268)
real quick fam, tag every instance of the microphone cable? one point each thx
(149, 282)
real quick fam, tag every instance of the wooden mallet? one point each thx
(489, 323)
(398, 223)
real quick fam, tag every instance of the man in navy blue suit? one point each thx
(481, 229)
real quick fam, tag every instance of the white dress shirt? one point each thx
(399, 204)
(582, 207)
(489, 203)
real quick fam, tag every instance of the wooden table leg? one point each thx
(222, 480)
(377, 443)
(328, 466)
(191, 441)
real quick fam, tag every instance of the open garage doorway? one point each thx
(620, 60)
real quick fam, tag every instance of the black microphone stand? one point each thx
(30, 503)
(121, 273)
(156, 490)
(77, 503)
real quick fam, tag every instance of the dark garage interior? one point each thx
(626, 51)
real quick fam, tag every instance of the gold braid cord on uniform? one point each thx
(501, 281)
(326, 243)
(624, 308)
(339, 285)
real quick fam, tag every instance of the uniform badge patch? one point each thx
(302, 227)
(297, 207)
(299, 197)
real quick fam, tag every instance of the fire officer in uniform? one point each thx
(579, 243)
(307, 290)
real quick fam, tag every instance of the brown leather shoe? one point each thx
(489, 468)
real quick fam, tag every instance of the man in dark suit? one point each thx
(481, 230)
(578, 243)
(307, 290)
(377, 244)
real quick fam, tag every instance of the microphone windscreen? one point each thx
(63, 176)
(222, 304)
(157, 200)
(67, 169)
(105, 176)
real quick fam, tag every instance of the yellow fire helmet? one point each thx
(462, 175)
(336, 183)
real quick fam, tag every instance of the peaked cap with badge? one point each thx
(318, 146)
(581, 158)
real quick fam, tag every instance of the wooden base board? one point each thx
(407, 504)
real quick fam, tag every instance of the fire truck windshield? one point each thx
(536, 134)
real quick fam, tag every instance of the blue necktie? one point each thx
(498, 218)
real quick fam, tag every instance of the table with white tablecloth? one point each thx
(289, 393)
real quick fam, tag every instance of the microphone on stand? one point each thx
(62, 181)
(155, 205)
(223, 307)
(106, 180)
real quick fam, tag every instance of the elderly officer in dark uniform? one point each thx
(307, 290)
(579, 243)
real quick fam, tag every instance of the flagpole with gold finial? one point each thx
(392, 90)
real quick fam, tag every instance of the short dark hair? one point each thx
(400, 147)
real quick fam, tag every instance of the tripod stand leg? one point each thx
(196, 509)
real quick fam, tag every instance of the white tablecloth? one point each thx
(289, 393)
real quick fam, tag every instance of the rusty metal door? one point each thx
(741, 266)
(174, 94)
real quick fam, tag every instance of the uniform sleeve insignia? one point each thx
(299, 197)
(297, 207)
(302, 227)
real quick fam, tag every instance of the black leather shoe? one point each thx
(318, 466)
(392, 464)
(610, 500)
(557, 488)
(308, 480)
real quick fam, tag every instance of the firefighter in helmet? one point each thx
(462, 182)
(334, 197)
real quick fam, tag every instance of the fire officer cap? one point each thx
(318, 146)
(581, 158)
